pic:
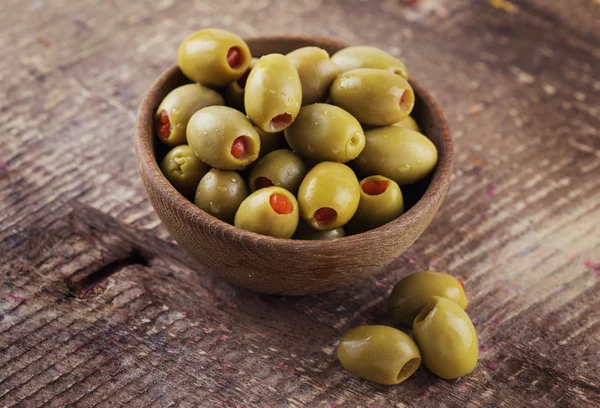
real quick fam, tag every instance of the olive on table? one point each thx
(380, 202)
(362, 56)
(410, 123)
(447, 339)
(273, 93)
(234, 92)
(400, 154)
(316, 72)
(328, 196)
(223, 138)
(269, 211)
(412, 293)
(304, 231)
(213, 57)
(381, 354)
(373, 96)
(280, 168)
(183, 169)
(326, 133)
(175, 111)
(220, 193)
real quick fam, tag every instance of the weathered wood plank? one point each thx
(521, 224)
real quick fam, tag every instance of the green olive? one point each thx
(401, 154)
(306, 232)
(213, 57)
(269, 211)
(326, 133)
(446, 338)
(280, 168)
(328, 196)
(269, 142)
(410, 123)
(220, 194)
(273, 93)
(361, 56)
(373, 96)
(413, 292)
(316, 72)
(223, 138)
(175, 111)
(381, 354)
(234, 92)
(380, 202)
(183, 169)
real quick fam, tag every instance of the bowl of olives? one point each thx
(291, 164)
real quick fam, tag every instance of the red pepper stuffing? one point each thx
(234, 57)
(375, 187)
(164, 125)
(281, 121)
(239, 148)
(325, 215)
(280, 204)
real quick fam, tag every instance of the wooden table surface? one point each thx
(80, 325)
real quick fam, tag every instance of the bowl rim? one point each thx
(148, 164)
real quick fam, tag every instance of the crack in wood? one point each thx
(84, 281)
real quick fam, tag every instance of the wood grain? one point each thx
(520, 225)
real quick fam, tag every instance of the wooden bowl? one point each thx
(285, 266)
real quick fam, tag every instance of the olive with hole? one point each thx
(362, 56)
(373, 96)
(328, 196)
(316, 72)
(280, 168)
(400, 154)
(325, 133)
(273, 93)
(308, 233)
(234, 92)
(183, 169)
(413, 292)
(223, 138)
(381, 354)
(220, 193)
(410, 123)
(447, 339)
(380, 202)
(269, 211)
(175, 111)
(213, 57)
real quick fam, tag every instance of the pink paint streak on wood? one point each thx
(593, 267)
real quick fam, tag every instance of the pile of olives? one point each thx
(434, 304)
(275, 145)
